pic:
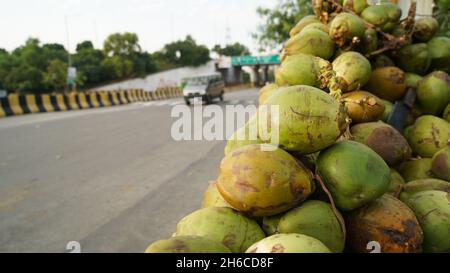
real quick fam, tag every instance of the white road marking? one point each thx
(162, 103)
(176, 103)
(149, 103)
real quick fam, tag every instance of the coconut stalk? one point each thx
(325, 10)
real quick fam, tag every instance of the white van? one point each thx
(207, 87)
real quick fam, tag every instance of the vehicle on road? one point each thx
(206, 87)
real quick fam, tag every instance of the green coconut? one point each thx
(412, 80)
(319, 26)
(382, 61)
(369, 41)
(270, 224)
(353, 68)
(345, 27)
(263, 180)
(446, 113)
(387, 221)
(429, 184)
(187, 244)
(416, 169)
(354, 174)
(433, 93)
(310, 19)
(363, 106)
(425, 28)
(387, 83)
(439, 49)
(289, 243)
(385, 140)
(309, 119)
(428, 135)
(385, 16)
(414, 58)
(212, 197)
(440, 164)
(266, 92)
(310, 41)
(244, 136)
(388, 108)
(222, 225)
(356, 5)
(432, 209)
(396, 183)
(301, 69)
(316, 219)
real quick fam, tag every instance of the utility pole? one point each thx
(66, 21)
(71, 72)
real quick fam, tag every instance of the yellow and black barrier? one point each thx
(15, 104)
(123, 97)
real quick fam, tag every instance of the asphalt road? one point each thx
(112, 179)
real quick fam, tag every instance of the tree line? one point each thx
(42, 68)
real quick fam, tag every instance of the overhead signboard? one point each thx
(248, 60)
(273, 59)
(253, 60)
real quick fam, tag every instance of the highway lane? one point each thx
(112, 179)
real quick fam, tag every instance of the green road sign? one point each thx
(274, 59)
(253, 60)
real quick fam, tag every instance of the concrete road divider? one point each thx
(134, 94)
(114, 96)
(93, 100)
(72, 101)
(83, 101)
(2, 112)
(15, 104)
(140, 94)
(104, 99)
(130, 96)
(30, 101)
(47, 103)
(123, 97)
(148, 96)
(61, 102)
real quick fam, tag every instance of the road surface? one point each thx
(112, 179)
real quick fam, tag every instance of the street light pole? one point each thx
(69, 57)
(66, 20)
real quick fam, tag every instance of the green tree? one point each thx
(278, 22)
(126, 44)
(184, 53)
(55, 76)
(442, 14)
(4, 59)
(54, 52)
(31, 54)
(125, 58)
(235, 49)
(121, 67)
(88, 62)
(24, 78)
(85, 45)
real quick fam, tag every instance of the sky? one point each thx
(156, 22)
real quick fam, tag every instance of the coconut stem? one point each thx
(391, 42)
(333, 205)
